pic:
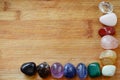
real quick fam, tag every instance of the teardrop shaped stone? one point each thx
(109, 42)
(43, 70)
(81, 71)
(69, 70)
(108, 57)
(57, 70)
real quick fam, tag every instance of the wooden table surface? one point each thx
(51, 31)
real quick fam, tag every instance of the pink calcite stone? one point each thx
(109, 42)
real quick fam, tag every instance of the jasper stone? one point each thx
(57, 70)
(106, 31)
(109, 42)
(109, 19)
(108, 70)
(108, 57)
(29, 68)
(94, 70)
(81, 71)
(43, 70)
(69, 70)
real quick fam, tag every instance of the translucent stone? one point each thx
(108, 57)
(105, 7)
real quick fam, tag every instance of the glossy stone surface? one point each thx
(81, 71)
(69, 70)
(105, 7)
(43, 70)
(29, 68)
(109, 42)
(57, 70)
(94, 70)
(108, 70)
(108, 57)
(106, 31)
(109, 19)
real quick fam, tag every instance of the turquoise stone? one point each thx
(94, 70)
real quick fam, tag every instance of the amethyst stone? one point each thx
(57, 70)
(81, 71)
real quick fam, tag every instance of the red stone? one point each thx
(106, 31)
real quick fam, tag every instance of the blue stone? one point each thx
(81, 71)
(69, 70)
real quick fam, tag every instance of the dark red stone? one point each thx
(106, 31)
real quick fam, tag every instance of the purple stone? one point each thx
(57, 70)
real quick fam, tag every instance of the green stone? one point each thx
(94, 70)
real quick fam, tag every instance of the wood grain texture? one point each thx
(52, 31)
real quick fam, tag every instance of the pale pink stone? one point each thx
(109, 42)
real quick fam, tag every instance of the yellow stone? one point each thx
(108, 57)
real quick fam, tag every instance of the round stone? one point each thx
(105, 7)
(69, 70)
(43, 70)
(81, 71)
(108, 57)
(57, 70)
(106, 31)
(29, 68)
(108, 70)
(109, 42)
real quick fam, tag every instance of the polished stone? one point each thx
(28, 68)
(69, 70)
(81, 71)
(43, 70)
(108, 57)
(109, 42)
(94, 70)
(57, 70)
(108, 70)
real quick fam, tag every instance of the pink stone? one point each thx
(109, 42)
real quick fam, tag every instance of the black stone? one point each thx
(43, 70)
(29, 68)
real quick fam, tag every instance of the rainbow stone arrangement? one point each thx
(107, 57)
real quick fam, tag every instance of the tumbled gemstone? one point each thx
(109, 42)
(108, 57)
(108, 70)
(81, 71)
(106, 31)
(43, 70)
(94, 70)
(29, 68)
(69, 70)
(57, 70)
(105, 7)
(109, 19)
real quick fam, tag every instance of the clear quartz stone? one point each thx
(105, 7)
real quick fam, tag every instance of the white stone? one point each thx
(109, 19)
(108, 70)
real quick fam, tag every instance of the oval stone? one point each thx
(69, 70)
(28, 68)
(106, 31)
(94, 70)
(108, 70)
(57, 70)
(81, 71)
(43, 70)
(108, 57)
(109, 42)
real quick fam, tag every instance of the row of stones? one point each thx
(69, 70)
(108, 42)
